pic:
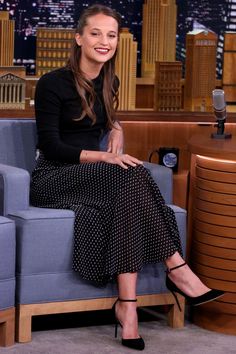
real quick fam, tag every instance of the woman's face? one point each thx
(98, 41)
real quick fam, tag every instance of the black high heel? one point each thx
(136, 343)
(192, 301)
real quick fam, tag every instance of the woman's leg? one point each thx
(126, 312)
(184, 278)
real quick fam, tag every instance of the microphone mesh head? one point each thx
(218, 100)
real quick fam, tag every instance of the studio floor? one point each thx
(93, 333)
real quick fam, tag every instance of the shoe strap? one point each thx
(128, 300)
(168, 270)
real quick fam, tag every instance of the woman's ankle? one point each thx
(174, 260)
(126, 307)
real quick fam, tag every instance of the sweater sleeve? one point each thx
(48, 105)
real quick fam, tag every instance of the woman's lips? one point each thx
(102, 50)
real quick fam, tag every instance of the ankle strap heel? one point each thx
(128, 300)
(134, 343)
(169, 270)
(193, 301)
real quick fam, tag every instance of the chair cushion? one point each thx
(44, 262)
(44, 240)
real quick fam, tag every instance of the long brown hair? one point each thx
(84, 86)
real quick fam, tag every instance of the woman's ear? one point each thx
(78, 39)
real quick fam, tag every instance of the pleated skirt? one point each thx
(121, 219)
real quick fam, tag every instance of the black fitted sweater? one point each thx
(57, 103)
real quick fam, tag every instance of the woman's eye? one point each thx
(96, 34)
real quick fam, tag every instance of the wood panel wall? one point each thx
(141, 137)
(144, 115)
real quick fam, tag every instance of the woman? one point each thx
(121, 219)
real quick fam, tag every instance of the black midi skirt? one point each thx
(121, 220)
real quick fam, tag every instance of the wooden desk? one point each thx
(212, 227)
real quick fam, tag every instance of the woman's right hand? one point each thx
(123, 160)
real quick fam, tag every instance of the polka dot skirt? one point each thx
(121, 221)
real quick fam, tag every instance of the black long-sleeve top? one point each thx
(57, 103)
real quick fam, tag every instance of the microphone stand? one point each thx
(221, 126)
(220, 131)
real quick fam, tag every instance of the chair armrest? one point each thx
(14, 189)
(163, 176)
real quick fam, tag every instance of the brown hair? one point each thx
(84, 86)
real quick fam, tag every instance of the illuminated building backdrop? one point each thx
(215, 15)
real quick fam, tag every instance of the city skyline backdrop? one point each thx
(215, 15)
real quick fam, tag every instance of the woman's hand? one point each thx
(123, 160)
(116, 140)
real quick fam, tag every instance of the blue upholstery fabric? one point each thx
(45, 240)
(45, 236)
(59, 286)
(14, 189)
(18, 141)
(48, 277)
(7, 263)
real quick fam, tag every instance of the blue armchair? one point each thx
(7, 281)
(45, 282)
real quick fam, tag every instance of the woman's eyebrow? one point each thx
(98, 29)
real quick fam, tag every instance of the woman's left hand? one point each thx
(116, 140)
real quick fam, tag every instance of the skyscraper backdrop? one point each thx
(215, 15)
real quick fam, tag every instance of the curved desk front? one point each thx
(212, 227)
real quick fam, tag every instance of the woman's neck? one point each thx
(91, 72)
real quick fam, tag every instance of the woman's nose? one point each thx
(104, 40)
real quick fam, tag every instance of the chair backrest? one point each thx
(18, 146)
(18, 143)
(18, 139)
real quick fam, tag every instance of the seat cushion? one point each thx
(44, 240)
(44, 261)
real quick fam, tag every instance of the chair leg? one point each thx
(175, 316)
(7, 327)
(23, 324)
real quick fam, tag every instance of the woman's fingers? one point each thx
(115, 147)
(122, 164)
(116, 141)
(123, 160)
(129, 160)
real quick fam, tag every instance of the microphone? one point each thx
(219, 106)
